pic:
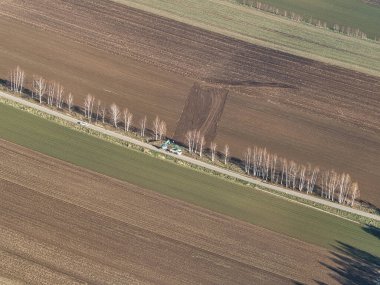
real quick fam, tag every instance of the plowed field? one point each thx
(301, 109)
(203, 109)
(61, 224)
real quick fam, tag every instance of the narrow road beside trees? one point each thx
(192, 160)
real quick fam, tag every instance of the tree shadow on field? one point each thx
(26, 92)
(373, 231)
(353, 266)
(369, 205)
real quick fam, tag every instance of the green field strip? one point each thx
(349, 13)
(269, 30)
(182, 183)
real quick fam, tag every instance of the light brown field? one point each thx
(301, 109)
(60, 224)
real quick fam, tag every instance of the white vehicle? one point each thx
(177, 151)
(84, 124)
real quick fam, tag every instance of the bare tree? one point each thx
(266, 164)
(51, 88)
(292, 174)
(213, 150)
(98, 110)
(39, 87)
(88, 106)
(16, 79)
(103, 112)
(247, 160)
(125, 118)
(284, 172)
(311, 179)
(197, 136)
(332, 184)
(59, 96)
(324, 183)
(255, 161)
(302, 178)
(226, 153)
(156, 127)
(191, 140)
(129, 120)
(70, 102)
(202, 142)
(143, 126)
(273, 177)
(354, 193)
(344, 187)
(162, 130)
(259, 162)
(115, 114)
(188, 138)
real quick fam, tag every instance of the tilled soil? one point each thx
(202, 111)
(301, 109)
(60, 224)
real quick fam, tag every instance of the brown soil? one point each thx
(61, 224)
(304, 110)
(203, 109)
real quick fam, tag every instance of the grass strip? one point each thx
(181, 182)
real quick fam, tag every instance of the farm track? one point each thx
(61, 224)
(328, 116)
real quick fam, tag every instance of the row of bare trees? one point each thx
(52, 93)
(16, 80)
(159, 128)
(258, 161)
(339, 187)
(268, 166)
(349, 31)
(196, 142)
(124, 117)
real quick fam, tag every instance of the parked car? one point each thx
(81, 123)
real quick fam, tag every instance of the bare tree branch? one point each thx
(213, 150)
(39, 87)
(115, 114)
(16, 80)
(143, 126)
(70, 101)
(226, 153)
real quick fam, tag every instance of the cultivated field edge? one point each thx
(257, 41)
(333, 211)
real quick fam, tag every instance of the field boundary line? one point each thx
(305, 205)
(195, 162)
(250, 39)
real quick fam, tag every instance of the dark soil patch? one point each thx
(202, 111)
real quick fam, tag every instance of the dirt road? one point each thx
(60, 224)
(301, 109)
